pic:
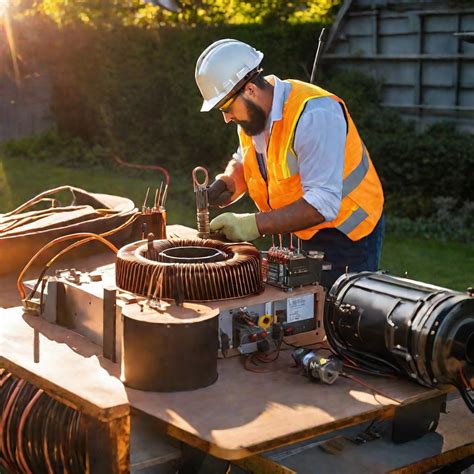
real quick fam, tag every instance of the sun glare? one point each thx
(4, 4)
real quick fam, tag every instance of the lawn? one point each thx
(449, 264)
(21, 179)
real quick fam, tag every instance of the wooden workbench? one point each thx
(242, 414)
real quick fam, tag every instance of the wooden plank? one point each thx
(69, 368)
(148, 445)
(452, 441)
(402, 57)
(262, 465)
(435, 109)
(108, 445)
(245, 413)
(435, 462)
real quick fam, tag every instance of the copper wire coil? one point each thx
(145, 269)
(38, 433)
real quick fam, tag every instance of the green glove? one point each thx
(236, 227)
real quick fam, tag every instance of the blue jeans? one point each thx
(342, 252)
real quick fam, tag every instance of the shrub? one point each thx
(131, 91)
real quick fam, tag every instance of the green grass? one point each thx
(22, 179)
(446, 264)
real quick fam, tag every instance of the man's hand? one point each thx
(219, 194)
(236, 227)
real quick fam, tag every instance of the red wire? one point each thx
(248, 359)
(143, 167)
(372, 389)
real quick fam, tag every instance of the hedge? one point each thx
(132, 91)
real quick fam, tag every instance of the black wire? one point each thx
(38, 281)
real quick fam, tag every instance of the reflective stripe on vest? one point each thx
(357, 175)
(353, 221)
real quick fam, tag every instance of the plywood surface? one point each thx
(63, 363)
(244, 413)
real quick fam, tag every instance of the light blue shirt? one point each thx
(319, 144)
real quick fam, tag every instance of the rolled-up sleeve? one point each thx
(237, 156)
(319, 145)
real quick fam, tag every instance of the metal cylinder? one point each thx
(203, 222)
(385, 323)
(169, 351)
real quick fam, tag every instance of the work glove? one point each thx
(236, 227)
(218, 193)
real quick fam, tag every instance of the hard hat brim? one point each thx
(207, 105)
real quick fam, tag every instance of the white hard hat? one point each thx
(223, 68)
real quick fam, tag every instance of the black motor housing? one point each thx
(390, 324)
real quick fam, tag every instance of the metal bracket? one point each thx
(109, 324)
(417, 419)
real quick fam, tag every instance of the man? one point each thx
(300, 158)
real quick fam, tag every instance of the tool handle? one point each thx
(322, 39)
(197, 184)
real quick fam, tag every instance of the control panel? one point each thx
(262, 326)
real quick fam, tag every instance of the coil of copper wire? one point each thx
(38, 434)
(199, 270)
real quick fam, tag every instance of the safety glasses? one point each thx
(225, 107)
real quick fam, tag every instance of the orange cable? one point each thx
(36, 199)
(84, 241)
(63, 238)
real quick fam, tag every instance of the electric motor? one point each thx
(387, 324)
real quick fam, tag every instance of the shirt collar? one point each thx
(281, 91)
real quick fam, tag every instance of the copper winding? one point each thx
(141, 269)
(38, 433)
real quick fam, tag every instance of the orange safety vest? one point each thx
(362, 195)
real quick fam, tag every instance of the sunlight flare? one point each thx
(4, 4)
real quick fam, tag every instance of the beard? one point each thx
(257, 119)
